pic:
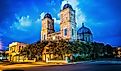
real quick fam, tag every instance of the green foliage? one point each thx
(86, 51)
(34, 50)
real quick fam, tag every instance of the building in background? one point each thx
(14, 52)
(3, 55)
(117, 52)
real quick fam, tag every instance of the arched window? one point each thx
(72, 32)
(85, 39)
(44, 37)
(65, 32)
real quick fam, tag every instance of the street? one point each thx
(73, 67)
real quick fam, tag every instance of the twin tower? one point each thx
(67, 25)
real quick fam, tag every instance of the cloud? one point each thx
(22, 23)
(0, 44)
(42, 15)
(58, 15)
(23, 26)
(80, 17)
(56, 21)
(38, 21)
(26, 23)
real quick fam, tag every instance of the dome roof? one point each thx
(84, 30)
(48, 16)
(67, 6)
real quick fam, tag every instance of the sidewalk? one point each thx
(15, 66)
(2, 67)
(98, 62)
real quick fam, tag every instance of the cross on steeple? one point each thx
(67, 1)
(82, 24)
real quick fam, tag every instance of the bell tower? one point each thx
(68, 23)
(47, 26)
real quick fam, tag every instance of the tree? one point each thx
(34, 50)
(61, 48)
(109, 50)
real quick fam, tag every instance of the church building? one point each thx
(68, 27)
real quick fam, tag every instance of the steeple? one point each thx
(67, 5)
(82, 24)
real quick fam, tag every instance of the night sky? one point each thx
(20, 20)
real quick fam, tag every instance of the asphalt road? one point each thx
(74, 67)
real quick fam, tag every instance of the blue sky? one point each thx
(20, 20)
